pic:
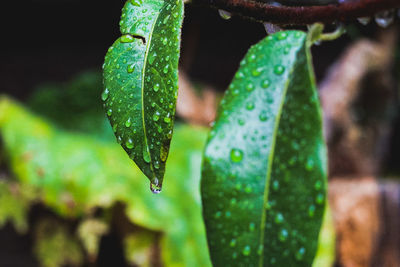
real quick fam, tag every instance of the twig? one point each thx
(302, 15)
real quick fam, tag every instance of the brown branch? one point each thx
(302, 15)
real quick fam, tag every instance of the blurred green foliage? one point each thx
(68, 155)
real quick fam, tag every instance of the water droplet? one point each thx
(283, 235)
(224, 14)
(260, 249)
(232, 243)
(318, 185)
(265, 84)
(320, 199)
(156, 87)
(279, 69)
(311, 210)
(246, 251)
(256, 72)
(217, 215)
(109, 112)
(127, 38)
(167, 119)
(250, 87)
(156, 164)
(300, 254)
(236, 155)
(131, 68)
(136, 2)
(364, 20)
(309, 164)
(282, 35)
(156, 116)
(155, 186)
(105, 94)
(279, 218)
(128, 123)
(146, 154)
(129, 143)
(250, 106)
(263, 116)
(165, 70)
(275, 185)
(384, 18)
(252, 226)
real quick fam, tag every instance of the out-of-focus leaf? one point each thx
(76, 173)
(138, 248)
(55, 246)
(141, 82)
(264, 171)
(90, 232)
(14, 204)
(325, 256)
(74, 105)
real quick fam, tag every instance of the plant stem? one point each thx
(301, 15)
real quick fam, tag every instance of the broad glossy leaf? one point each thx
(76, 172)
(141, 81)
(264, 170)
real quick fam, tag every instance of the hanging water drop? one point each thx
(155, 186)
(131, 68)
(246, 251)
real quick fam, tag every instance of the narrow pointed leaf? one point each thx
(141, 81)
(264, 171)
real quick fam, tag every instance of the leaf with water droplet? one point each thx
(141, 77)
(273, 164)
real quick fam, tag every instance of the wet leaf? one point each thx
(264, 169)
(141, 81)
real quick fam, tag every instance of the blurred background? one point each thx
(69, 196)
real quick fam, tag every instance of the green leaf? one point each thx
(76, 173)
(141, 81)
(264, 170)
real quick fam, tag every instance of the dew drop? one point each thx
(129, 143)
(318, 185)
(156, 87)
(165, 70)
(250, 87)
(309, 164)
(156, 116)
(236, 155)
(109, 112)
(246, 251)
(300, 254)
(250, 106)
(282, 35)
(146, 154)
(127, 38)
(311, 211)
(131, 68)
(136, 2)
(105, 94)
(232, 243)
(279, 69)
(252, 226)
(279, 218)
(256, 72)
(128, 123)
(155, 186)
(283, 235)
(320, 199)
(265, 84)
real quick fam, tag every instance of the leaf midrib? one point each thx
(270, 160)
(142, 87)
